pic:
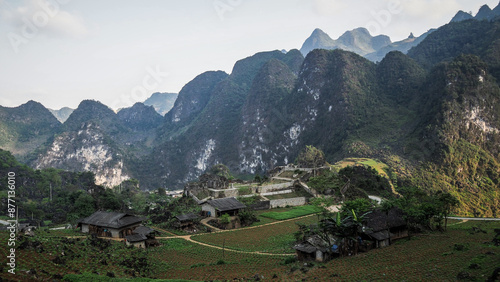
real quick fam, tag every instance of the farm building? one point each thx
(142, 237)
(136, 240)
(384, 228)
(110, 224)
(187, 220)
(315, 248)
(218, 207)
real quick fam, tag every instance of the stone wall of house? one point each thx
(209, 208)
(292, 202)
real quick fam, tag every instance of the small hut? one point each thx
(315, 248)
(136, 240)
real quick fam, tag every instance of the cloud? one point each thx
(329, 7)
(47, 17)
(430, 9)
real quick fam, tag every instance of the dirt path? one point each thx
(205, 222)
(189, 239)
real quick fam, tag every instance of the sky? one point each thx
(119, 52)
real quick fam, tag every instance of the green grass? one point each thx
(293, 213)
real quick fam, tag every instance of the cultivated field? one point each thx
(461, 252)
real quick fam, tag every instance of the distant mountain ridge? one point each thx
(162, 102)
(357, 40)
(62, 114)
(375, 48)
(361, 42)
(484, 13)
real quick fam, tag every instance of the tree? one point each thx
(359, 205)
(220, 170)
(446, 202)
(225, 219)
(83, 207)
(311, 157)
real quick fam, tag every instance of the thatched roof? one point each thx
(111, 219)
(226, 204)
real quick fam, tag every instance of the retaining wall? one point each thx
(292, 202)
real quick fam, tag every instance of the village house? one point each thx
(142, 237)
(383, 228)
(218, 207)
(315, 248)
(110, 224)
(136, 240)
(187, 221)
(379, 230)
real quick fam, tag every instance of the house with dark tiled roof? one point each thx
(218, 207)
(316, 248)
(385, 227)
(110, 224)
(187, 220)
(136, 240)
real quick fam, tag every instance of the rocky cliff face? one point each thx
(98, 140)
(85, 150)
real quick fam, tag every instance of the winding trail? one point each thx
(189, 239)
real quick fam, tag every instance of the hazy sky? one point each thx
(60, 52)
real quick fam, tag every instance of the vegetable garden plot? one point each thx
(188, 260)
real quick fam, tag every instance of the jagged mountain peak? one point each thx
(317, 40)
(358, 40)
(485, 13)
(461, 16)
(90, 111)
(193, 98)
